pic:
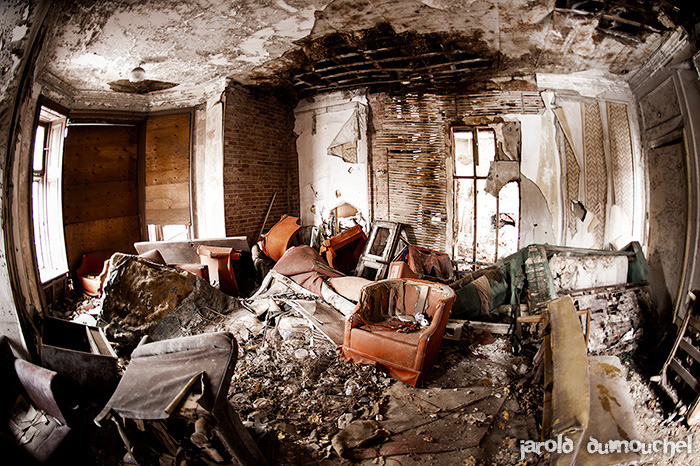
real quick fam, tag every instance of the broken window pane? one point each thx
(464, 221)
(486, 151)
(464, 157)
(508, 219)
(486, 217)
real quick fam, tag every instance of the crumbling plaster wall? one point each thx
(20, 23)
(327, 181)
(260, 158)
(540, 203)
(543, 170)
(571, 93)
(208, 170)
(669, 113)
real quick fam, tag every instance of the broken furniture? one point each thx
(282, 236)
(400, 269)
(680, 375)
(428, 264)
(183, 255)
(306, 267)
(343, 250)
(480, 292)
(379, 250)
(371, 336)
(612, 284)
(220, 262)
(33, 424)
(82, 355)
(558, 270)
(181, 385)
(185, 252)
(585, 397)
(91, 271)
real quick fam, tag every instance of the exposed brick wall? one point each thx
(260, 157)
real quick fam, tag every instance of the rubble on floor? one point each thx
(141, 297)
(298, 387)
(619, 318)
(482, 397)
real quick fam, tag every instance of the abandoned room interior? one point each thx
(350, 231)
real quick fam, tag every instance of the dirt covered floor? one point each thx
(299, 389)
(479, 402)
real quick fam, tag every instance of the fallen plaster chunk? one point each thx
(144, 298)
(500, 174)
(356, 434)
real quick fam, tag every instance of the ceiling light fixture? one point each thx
(137, 75)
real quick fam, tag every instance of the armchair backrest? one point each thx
(387, 298)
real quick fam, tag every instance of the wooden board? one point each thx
(167, 170)
(168, 204)
(95, 201)
(95, 154)
(100, 190)
(118, 234)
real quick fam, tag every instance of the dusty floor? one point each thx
(651, 410)
(479, 402)
(302, 391)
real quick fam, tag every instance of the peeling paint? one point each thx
(194, 42)
(19, 32)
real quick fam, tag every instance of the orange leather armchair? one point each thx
(92, 271)
(405, 356)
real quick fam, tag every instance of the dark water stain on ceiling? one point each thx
(313, 45)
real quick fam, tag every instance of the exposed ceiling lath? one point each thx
(380, 57)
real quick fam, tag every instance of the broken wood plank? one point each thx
(492, 327)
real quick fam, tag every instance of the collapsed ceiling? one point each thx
(311, 45)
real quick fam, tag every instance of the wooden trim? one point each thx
(43, 101)
(141, 179)
(106, 116)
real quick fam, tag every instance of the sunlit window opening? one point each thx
(47, 163)
(486, 227)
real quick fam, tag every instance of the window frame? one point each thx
(474, 177)
(45, 195)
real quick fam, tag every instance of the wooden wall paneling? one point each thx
(167, 169)
(87, 202)
(167, 204)
(118, 234)
(100, 200)
(99, 153)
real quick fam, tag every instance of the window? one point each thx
(47, 162)
(168, 233)
(485, 226)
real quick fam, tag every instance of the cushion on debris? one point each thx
(349, 287)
